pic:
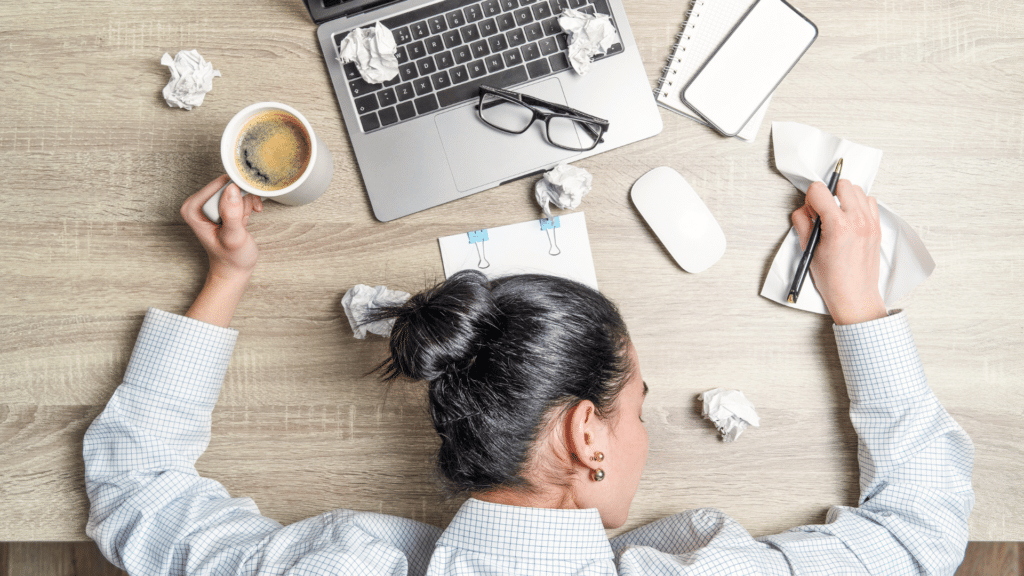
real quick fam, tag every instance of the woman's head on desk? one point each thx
(534, 388)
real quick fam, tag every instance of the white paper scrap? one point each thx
(373, 51)
(360, 300)
(564, 186)
(804, 155)
(589, 35)
(191, 79)
(730, 411)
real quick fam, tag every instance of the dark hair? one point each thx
(500, 356)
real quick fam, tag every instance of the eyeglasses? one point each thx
(513, 112)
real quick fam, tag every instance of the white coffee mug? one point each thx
(311, 184)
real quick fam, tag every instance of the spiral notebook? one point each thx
(708, 24)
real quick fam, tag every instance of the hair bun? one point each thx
(441, 329)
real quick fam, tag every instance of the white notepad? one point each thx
(741, 75)
(708, 23)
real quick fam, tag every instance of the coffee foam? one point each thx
(272, 150)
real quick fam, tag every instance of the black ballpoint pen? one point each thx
(812, 242)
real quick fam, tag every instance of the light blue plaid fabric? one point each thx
(153, 514)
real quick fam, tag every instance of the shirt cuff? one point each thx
(180, 359)
(880, 359)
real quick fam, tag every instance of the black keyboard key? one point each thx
(588, 10)
(444, 60)
(360, 87)
(408, 71)
(422, 86)
(387, 97)
(401, 55)
(476, 68)
(455, 19)
(366, 104)
(533, 32)
(541, 10)
(558, 6)
(525, 2)
(512, 58)
(470, 90)
(405, 91)
(406, 110)
(479, 49)
(441, 81)
(577, 3)
(488, 27)
(462, 54)
(497, 43)
(491, 8)
(538, 68)
(494, 63)
(434, 44)
(508, 5)
(469, 33)
(602, 6)
(515, 37)
(426, 66)
(472, 13)
(451, 38)
(507, 21)
(419, 30)
(369, 122)
(558, 62)
(387, 116)
(551, 26)
(351, 72)
(394, 81)
(402, 35)
(437, 24)
(416, 50)
(547, 46)
(523, 16)
(426, 104)
(459, 74)
(530, 52)
(562, 41)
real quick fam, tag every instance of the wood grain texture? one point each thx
(96, 166)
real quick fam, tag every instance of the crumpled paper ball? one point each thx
(373, 51)
(730, 411)
(564, 186)
(361, 299)
(191, 79)
(589, 35)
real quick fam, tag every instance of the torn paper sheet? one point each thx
(589, 36)
(804, 155)
(360, 300)
(191, 79)
(373, 51)
(564, 186)
(730, 411)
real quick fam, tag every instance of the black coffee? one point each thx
(272, 150)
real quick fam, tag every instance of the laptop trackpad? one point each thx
(479, 154)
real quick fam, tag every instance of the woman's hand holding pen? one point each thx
(845, 265)
(230, 247)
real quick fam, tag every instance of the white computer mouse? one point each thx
(679, 218)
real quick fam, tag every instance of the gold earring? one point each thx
(598, 475)
(598, 456)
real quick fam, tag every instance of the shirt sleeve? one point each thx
(915, 483)
(151, 512)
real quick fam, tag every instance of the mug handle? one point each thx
(212, 207)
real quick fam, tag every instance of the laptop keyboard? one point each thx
(446, 51)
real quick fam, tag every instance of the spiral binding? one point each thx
(680, 37)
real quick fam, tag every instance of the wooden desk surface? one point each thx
(95, 166)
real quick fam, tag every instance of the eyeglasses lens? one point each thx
(572, 134)
(505, 114)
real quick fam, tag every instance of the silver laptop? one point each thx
(419, 139)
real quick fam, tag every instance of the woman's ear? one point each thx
(586, 435)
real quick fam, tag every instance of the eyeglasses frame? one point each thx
(587, 121)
